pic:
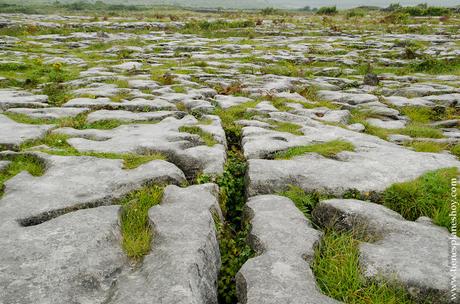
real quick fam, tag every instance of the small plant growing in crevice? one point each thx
(328, 149)
(337, 271)
(429, 195)
(205, 136)
(135, 228)
(304, 201)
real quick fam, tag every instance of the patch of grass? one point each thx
(121, 95)
(455, 150)
(304, 201)
(205, 136)
(106, 124)
(337, 271)
(428, 195)
(427, 146)
(58, 93)
(59, 142)
(418, 114)
(432, 65)
(418, 130)
(328, 149)
(287, 127)
(19, 163)
(135, 228)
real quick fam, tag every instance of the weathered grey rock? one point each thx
(186, 150)
(357, 127)
(127, 116)
(227, 101)
(401, 101)
(349, 98)
(18, 99)
(128, 66)
(137, 104)
(13, 134)
(386, 124)
(74, 258)
(41, 262)
(49, 113)
(142, 84)
(415, 254)
(446, 123)
(4, 164)
(185, 260)
(284, 241)
(373, 166)
(88, 181)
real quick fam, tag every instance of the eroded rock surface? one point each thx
(185, 259)
(413, 253)
(284, 241)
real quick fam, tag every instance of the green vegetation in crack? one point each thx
(328, 149)
(304, 201)
(205, 136)
(286, 127)
(19, 163)
(337, 271)
(429, 195)
(58, 145)
(135, 228)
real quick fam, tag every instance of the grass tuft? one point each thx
(19, 163)
(428, 195)
(337, 271)
(304, 201)
(135, 228)
(328, 149)
(205, 136)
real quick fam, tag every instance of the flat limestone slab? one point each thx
(59, 241)
(416, 254)
(284, 241)
(13, 134)
(187, 151)
(373, 166)
(183, 265)
(18, 99)
(74, 182)
(75, 258)
(49, 113)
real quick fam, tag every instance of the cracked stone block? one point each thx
(54, 252)
(284, 241)
(49, 113)
(186, 150)
(127, 116)
(13, 134)
(87, 182)
(373, 166)
(349, 98)
(74, 258)
(137, 104)
(415, 254)
(18, 99)
(185, 260)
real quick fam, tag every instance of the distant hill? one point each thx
(287, 4)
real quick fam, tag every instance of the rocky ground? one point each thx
(246, 158)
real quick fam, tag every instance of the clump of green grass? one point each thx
(328, 149)
(59, 141)
(337, 271)
(106, 124)
(428, 195)
(455, 150)
(19, 163)
(205, 136)
(417, 130)
(135, 228)
(286, 127)
(418, 114)
(427, 146)
(304, 201)
(121, 95)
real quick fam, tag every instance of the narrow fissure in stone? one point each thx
(232, 232)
